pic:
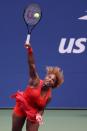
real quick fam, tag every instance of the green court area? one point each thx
(54, 120)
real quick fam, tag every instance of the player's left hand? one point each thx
(39, 119)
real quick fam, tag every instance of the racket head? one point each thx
(32, 15)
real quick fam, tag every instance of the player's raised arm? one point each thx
(31, 62)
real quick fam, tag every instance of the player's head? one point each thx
(54, 77)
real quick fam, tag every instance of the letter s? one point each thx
(79, 43)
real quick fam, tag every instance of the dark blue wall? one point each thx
(60, 20)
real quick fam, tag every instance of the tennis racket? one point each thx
(32, 15)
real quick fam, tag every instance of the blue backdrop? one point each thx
(60, 39)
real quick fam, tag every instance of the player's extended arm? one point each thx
(31, 62)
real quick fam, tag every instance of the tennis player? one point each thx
(31, 102)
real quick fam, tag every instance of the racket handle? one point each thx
(28, 39)
(27, 43)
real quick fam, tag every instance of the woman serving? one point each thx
(31, 102)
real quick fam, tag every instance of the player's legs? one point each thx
(17, 122)
(31, 126)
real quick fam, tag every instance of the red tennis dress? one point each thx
(30, 102)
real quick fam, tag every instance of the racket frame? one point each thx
(31, 27)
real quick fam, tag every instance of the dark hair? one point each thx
(58, 73)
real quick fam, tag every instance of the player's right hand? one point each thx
(27, 45)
